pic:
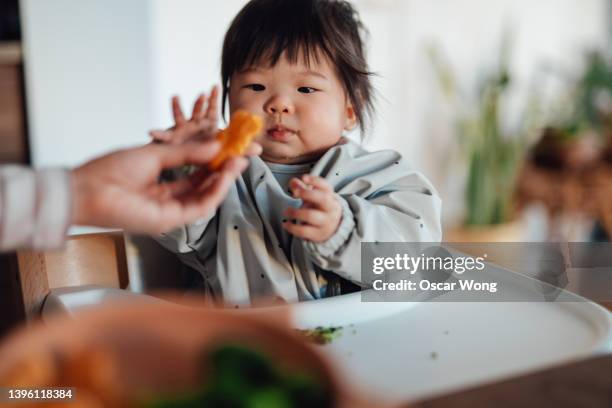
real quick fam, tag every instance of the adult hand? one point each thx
(121, 189)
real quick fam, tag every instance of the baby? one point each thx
(291, 227)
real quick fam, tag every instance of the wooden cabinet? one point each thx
(13, 141)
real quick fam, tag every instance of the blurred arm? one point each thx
(34, 207)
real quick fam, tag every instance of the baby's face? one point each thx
(305, 108)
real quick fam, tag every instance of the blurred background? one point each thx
(504, 105)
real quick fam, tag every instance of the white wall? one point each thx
(88, 80)
(187, 42)
(100, 73)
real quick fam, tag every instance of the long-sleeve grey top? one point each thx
(34, 207)
(242, 252)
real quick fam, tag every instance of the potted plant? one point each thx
(574, 139)
(493, 153)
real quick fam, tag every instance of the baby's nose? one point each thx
(283, 109)
(278, 105)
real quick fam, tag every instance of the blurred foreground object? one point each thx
(243, 377)
(130, 355)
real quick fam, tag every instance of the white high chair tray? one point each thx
(408, 351)
(435, 348)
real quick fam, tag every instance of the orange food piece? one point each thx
(235, 139)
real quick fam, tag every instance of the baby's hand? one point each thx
(321, 213)
(201, 126)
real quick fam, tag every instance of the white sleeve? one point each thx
(35, 207)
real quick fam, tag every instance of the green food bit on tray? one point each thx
(323, 335)
(243, 378)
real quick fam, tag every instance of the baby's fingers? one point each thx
(296, 184)
(198, 108)
(212, 111)
(317, 182)
(303, 231)
(308, 216)
(177, 112)
(316, 198)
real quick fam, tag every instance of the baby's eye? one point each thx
(306, 89)
(255, 87)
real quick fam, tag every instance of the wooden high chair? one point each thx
(89, 259)
(99, 259)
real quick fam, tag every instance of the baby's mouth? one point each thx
(281, 133)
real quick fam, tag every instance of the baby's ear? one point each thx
(351, 118)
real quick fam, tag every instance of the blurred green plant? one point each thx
(494, 154)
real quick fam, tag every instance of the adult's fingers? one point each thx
(232, 167)
(170, 156)
(182, 186)
(194, 204)
(235, 165)
(177, 113)
(201, 203)
(198, 182)
(161, 135)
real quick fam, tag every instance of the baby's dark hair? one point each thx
(264, 29)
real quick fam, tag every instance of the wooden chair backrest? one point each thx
(89, 259)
